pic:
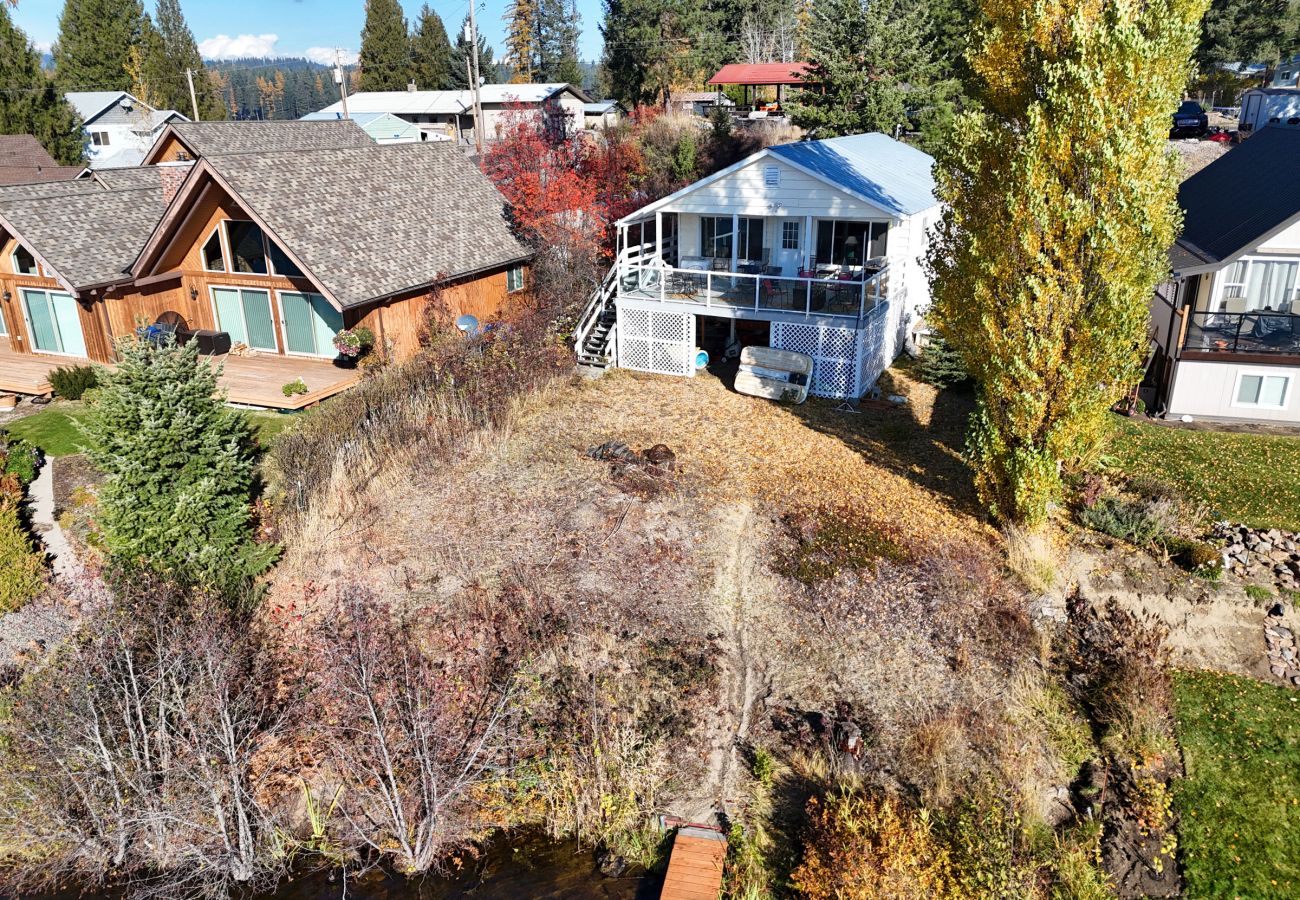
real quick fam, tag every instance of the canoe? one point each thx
(774, 374)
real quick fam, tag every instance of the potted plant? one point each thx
(352, 344)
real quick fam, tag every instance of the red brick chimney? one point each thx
(172, 179)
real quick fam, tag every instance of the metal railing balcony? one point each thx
(1260, 331)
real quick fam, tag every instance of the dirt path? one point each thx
(743, 681)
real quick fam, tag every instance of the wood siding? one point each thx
(90, 315)
(169, 150)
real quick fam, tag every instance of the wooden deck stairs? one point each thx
(695, 865)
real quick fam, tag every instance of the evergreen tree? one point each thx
(558, 29)
(942, 366)
(461, 51)
(30, 104)
(95, 41)
(146, 64)
(652, 45)
(385, 47)
(1060, 210)
(178, 53)
(1243, 31)
(179, 469)
(521, 40)
(430, 52)
(872, 63)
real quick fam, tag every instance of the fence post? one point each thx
(807, 309)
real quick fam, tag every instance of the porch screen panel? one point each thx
(68, 322)
(45, 335)
(258, 319)
(230, 314)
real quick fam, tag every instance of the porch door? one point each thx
(245, 314)
(310, 323)
(788, 246)
(54, 323)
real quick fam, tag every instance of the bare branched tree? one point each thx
(133, 753)
(770, 35)
(409, 725)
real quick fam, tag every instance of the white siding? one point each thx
(744, 191)
(1287, 240)
(1207, 390)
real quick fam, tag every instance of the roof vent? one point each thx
(772, 176)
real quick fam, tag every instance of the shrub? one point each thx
(180, 467)
(1142, 522)
(297, 386)
(942, 365)
(1258, 594)
(863, 848)
(21, 563)
(1196, 557)
(21, 460)
(73, 381)
(1032, 558)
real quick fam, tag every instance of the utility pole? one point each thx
(475, 78)
(194, 102)
(341, 80)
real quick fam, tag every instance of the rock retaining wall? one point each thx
(1261, 555)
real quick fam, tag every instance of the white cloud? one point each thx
(223, 46)
(325, 56)
(42, 46)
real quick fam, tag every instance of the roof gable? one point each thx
(203, 139)
(1241, 198)
(23, 160)
(92, 104)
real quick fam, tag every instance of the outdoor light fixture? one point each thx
(8, 296)
(194, 294)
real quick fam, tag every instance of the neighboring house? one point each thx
(1287, 73)
(696, 103)
(119, 127)
(450, 114)
(814, 247)
(383, 128)
(1261, 107)
(23, 161)
(280, 250)
(1226, 327)
(189, 141)
(602, 115)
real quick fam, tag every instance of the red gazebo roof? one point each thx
(761, 73)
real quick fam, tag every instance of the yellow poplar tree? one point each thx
(1061, 206)
(521, 40)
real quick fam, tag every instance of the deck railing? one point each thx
(1262, 331)
(834, 296)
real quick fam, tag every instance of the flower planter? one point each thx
(345, 362)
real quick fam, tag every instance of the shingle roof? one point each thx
(887, 173)
(406, 103)
(217, 138)
(90, 238)
(373, 221)
(23, 160)
(1231, 204)
(129, 178)
(48, 189)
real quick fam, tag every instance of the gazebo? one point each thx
(754, 75)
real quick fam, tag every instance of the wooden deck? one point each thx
(247, 380)
(695, 866)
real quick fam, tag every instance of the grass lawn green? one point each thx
(1248, 478)
(1239, 806)
(54, 429)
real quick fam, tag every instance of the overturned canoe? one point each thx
(774, 374)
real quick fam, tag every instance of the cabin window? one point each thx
(214, 260)
(515, 278)
(99, 138)
(281, 264)
(716, 238)
(24, 262)
(247, 249)
(1263, 391)
(844, 243)
(789, 235)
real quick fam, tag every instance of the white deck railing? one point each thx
(812, 297)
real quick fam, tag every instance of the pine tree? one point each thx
(1060, 209)
(95, 41)
(558, 30)
(653, 45)
(461, 51)
(385, 47)
(178, 53)
(179, 467)
(521, 40)
(1243, 31)
(872, 64)
(146, 64)
(430, 52)
(31, 105)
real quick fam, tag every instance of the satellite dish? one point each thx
(468, 324)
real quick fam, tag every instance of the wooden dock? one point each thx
(695, 866)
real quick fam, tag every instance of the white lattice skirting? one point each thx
(846, 361)
(654, 341)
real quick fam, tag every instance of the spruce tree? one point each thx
(95, 41)
(1060, 208)
(31, 105)
(558, 29)
(180, 52)
(430, 52)
(652, 45)
(461, 51)
(872, 63)
(179, 467)
(385, 47)
(522, 50)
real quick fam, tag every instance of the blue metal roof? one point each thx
(885, 172)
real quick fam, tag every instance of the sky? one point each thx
(312, 28)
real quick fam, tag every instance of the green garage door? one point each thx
(245, 314)
(55, 325)
(310, 323)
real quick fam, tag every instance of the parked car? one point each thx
(1190, 119)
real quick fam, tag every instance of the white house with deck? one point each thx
(814, 247)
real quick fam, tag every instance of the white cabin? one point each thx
(815, 247)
